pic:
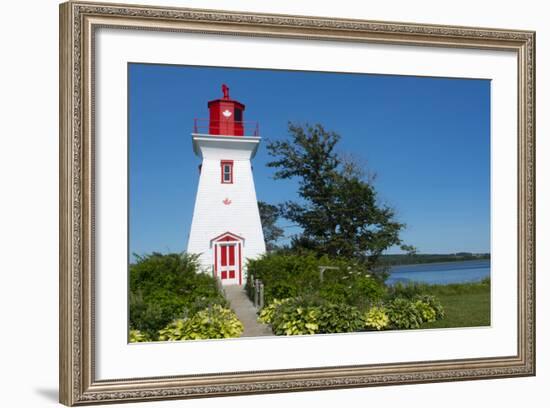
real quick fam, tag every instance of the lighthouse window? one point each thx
(227, 171)
(238, 115)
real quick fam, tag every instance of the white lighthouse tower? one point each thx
(226, 227)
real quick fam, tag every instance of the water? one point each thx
(441, 273)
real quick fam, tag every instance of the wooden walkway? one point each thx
(246, 312)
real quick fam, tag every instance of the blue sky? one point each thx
(426, 139)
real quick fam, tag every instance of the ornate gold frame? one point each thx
(78, 20)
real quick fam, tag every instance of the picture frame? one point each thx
(79, 184)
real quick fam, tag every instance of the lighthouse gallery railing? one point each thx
(203, 126)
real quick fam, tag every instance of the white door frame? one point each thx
(228, 247)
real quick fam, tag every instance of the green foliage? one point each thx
(412, 313)
(146, 316)
(406, 290)
(339, 318)
(300, 316)
(282, 290)
(165, 287)
(269, 214)
(403, 314)
(138, 337)
(285, 275)
(427, 313)
(304, 316)
(346, 299)
(311, 315)
(360, 291)
(293, 318)
(366, 291)
(288, 275)
(434, 304)
(471, 307)
(334, 292)
(215, 322)
(377, 318)
(266, 314)
(338, 212)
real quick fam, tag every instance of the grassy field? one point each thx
(466, 305)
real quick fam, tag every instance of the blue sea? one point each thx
(441, 273)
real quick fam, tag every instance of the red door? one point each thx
(229, 262)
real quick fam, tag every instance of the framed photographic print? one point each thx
(256, 203)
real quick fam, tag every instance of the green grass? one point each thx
(466, 305)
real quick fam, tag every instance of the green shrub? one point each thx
(426, 311)
(366, 291)
(302, 316)
(138, 337)
(266, 314)
(290, 275)
(281, 290)
(347, 298)
(335, 292)
(292, 318)
(410, 314)
(434, 303)
(403, 314)
(146, 316)
(339, 318)
(215, 322)
(377, 318)
(284, 275)
(166, 287)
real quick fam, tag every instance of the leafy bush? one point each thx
(146, 316)
(377, 318)
(302, 316)
(410, 314)
(290, 275)
(266, 314)
(292, 318)
(426, 312)
(359, 291)
(165, 287)
(308, 315)
(339, 318)
(434, 303)
(366, 291)
(347, 298)
(138, 337)
(215, 322)
(284, 275)
(282, 290)
(335, 292)
(403, 314)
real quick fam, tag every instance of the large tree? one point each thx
(338, 212)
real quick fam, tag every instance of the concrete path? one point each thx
(246, 312)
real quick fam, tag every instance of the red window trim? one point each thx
(222, 164)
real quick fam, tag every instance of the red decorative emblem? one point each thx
(227, 201)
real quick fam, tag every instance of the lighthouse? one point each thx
(226, 227)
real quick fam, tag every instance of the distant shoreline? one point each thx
(405, 259)
(440, 263)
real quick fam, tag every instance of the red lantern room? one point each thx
(226, 118)
(226, 115)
